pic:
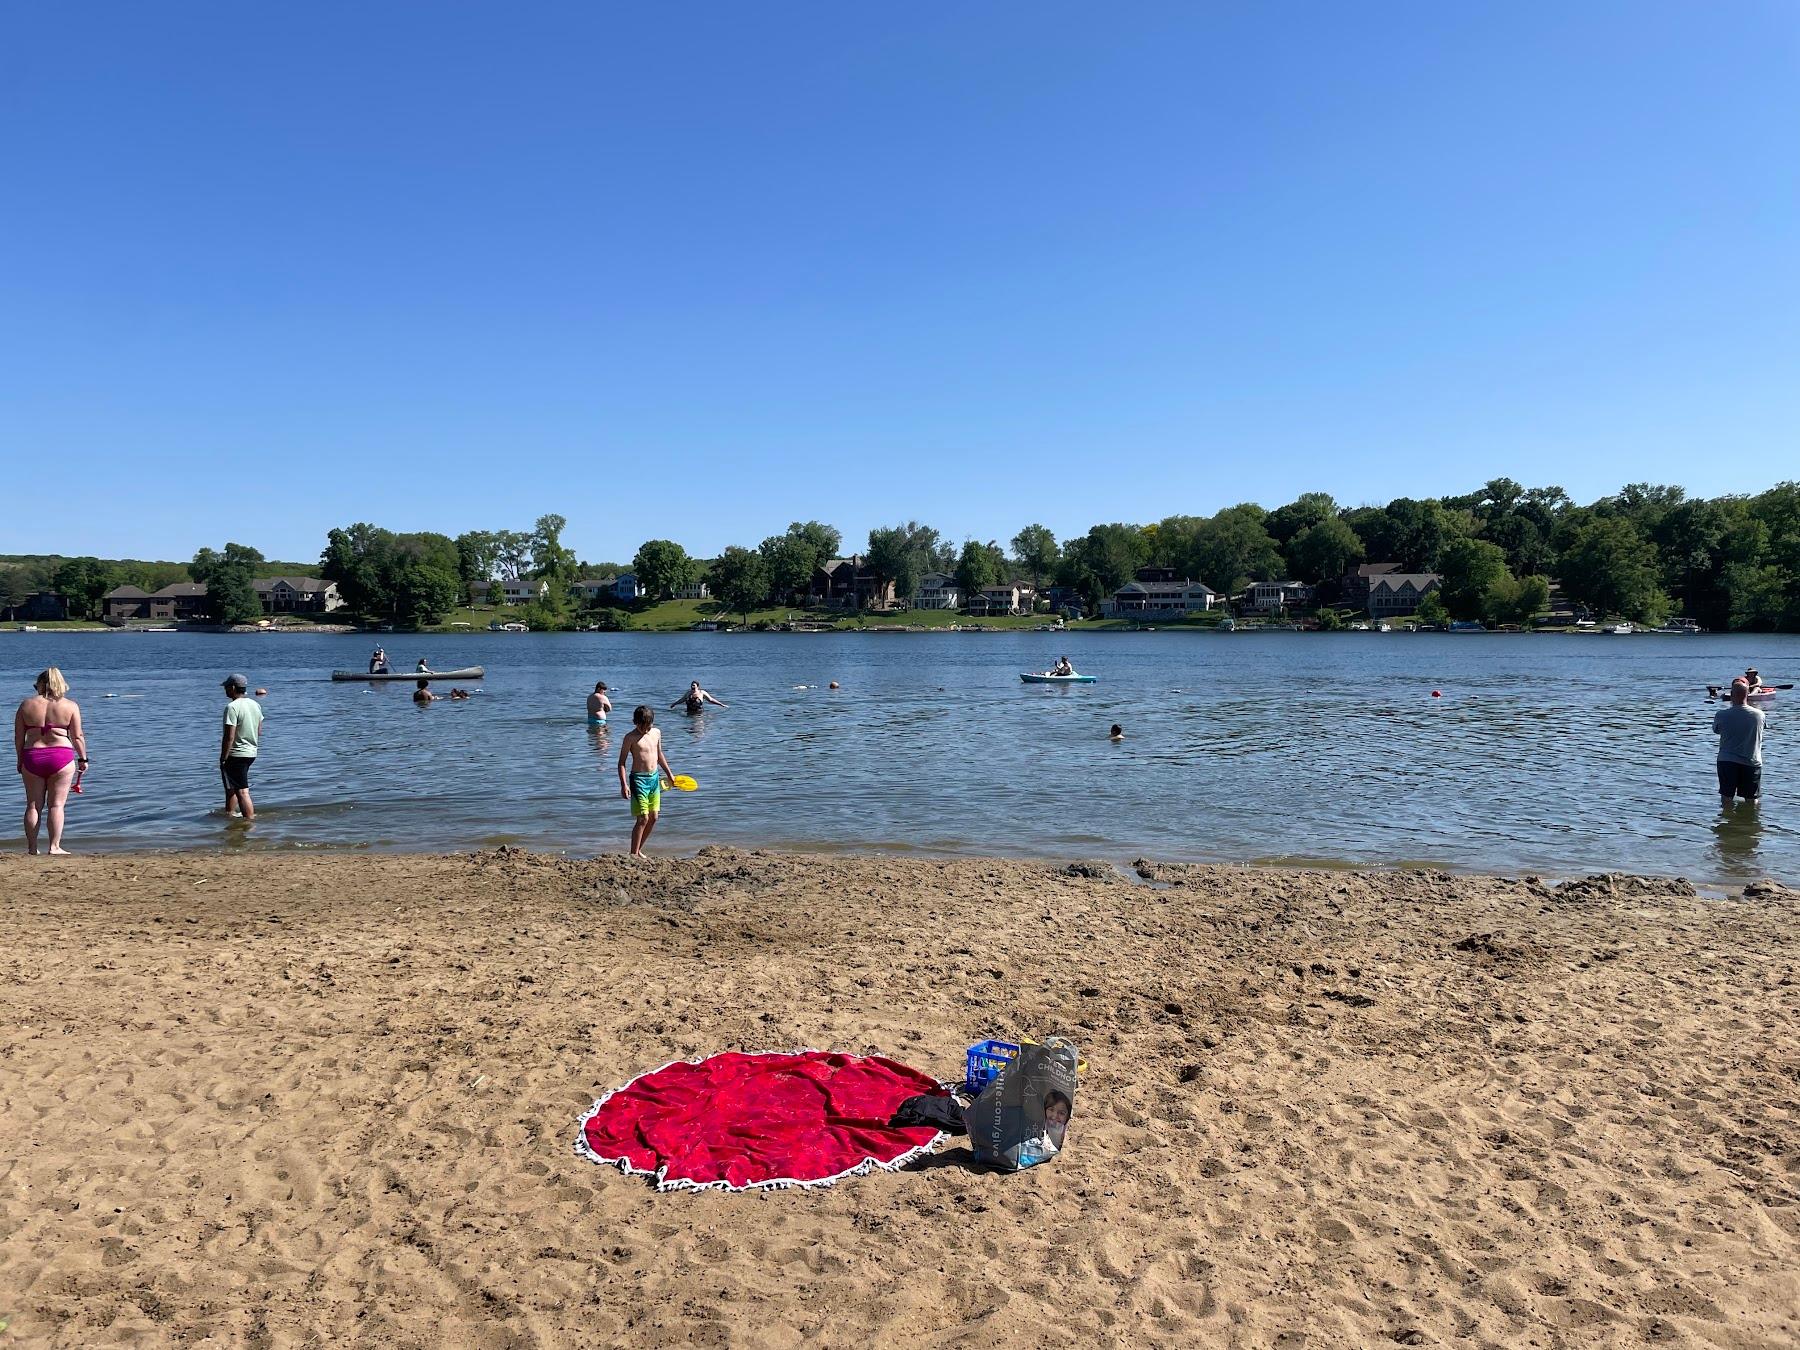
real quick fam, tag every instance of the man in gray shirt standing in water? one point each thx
(1740, 731)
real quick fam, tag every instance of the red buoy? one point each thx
(1437, 693)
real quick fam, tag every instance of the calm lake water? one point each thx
(1546, 753)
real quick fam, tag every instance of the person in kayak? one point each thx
(1754, 680)
(424, 666)
(696, 699)
(378, 662)
(1062, 667)
(1740, 732)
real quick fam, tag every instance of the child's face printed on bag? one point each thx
(1056, 1111)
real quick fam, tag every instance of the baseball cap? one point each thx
(235, 682)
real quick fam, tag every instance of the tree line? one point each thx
(1644, 553)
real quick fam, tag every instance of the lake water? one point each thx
(1546, 753)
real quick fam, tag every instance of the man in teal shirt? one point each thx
(237, 751)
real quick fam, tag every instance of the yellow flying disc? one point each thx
(682, 781)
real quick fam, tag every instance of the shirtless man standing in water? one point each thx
(643, 786)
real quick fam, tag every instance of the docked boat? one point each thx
(1621, 629)
(1045, 677)
(466, 673)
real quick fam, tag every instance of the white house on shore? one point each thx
(1266, 597)
(1011, 597)
(626, 587)
(518, 591)
(937, 590)
(1158, 600)
(694, 590)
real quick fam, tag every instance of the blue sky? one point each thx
(696, 271)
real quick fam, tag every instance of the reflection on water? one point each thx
(1736, 834)
(1548, 754)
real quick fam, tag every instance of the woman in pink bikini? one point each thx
(51, 753)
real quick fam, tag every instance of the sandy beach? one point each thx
(288, 1099)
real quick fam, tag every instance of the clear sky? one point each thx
(699, 270)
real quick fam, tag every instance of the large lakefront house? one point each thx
(1385, 591)
(1155, 593)
(185, 601)
(937, 590)
(1006, 597)
(849, 583)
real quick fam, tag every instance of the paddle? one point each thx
(683, 782)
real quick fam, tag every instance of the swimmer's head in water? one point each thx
(1117, 731)
(643, 717)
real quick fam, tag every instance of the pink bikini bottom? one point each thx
(46, 761)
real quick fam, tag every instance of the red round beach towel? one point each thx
(738, 1121)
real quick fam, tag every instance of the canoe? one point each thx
(466, 673)
(1033, 677)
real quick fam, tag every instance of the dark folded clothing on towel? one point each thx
(939, 1112)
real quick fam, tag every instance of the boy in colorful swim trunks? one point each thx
(642, 786)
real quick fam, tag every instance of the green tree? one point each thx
(1475, 580)
(495, 595)
(15, 587)
(1612, 568)
(230, 581)
(1420, 530)
(1034, 549)
(1325, 551)
(475, 556)
(977, 567)
(740, 580)
(1431, 610)
(663, 567)
(901, 554)
(1305, 512)
(550, 559)
(420, 575)
(1233, 548)
(512, 554)
(791, 559)
(82, 581)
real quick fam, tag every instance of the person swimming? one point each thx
(423, 693)
(696, 699)
(598, 705)
(1117, 733)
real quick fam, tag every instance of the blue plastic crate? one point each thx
(987, 1058)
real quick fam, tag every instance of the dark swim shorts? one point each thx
(1740, 780)
(237, 772)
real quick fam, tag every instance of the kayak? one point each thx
(466, 673)
(1036, 677)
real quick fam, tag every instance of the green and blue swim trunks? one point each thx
(646, 793)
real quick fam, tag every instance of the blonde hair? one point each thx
(51, 683)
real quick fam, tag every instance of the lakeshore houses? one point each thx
(849, 583)
(1006, 597)
(39, 607)
(694, 590)
(185, 601)
(1155, 593)
(1270, 597)
(298, 595)
(1385, 591)
(937, 590)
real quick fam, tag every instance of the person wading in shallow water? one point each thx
(695, 699)
(239, 745)
(1740, 732)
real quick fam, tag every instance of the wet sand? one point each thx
(286, 1099)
